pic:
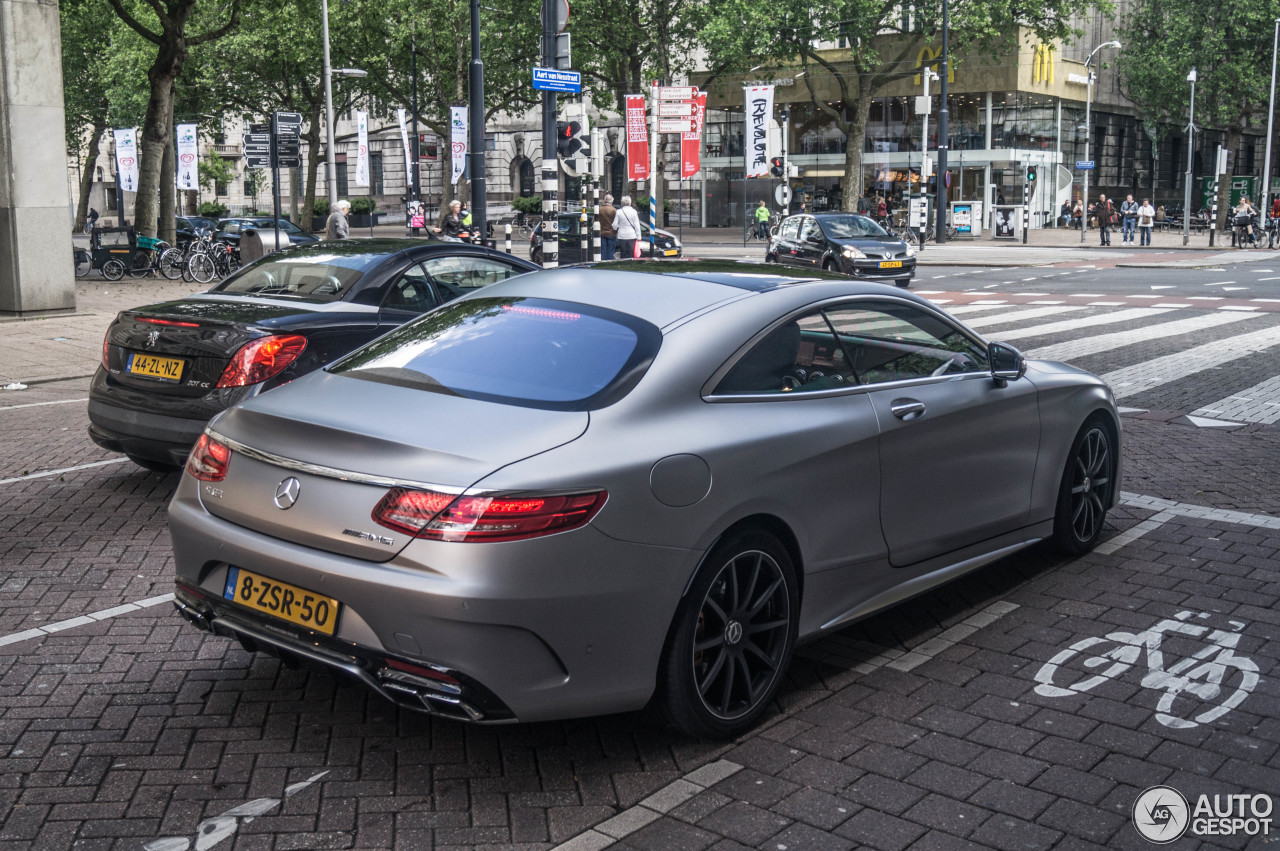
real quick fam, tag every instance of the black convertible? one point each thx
(168, 368)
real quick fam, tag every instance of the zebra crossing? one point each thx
(1213, 367)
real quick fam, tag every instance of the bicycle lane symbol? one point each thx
(1197, 689)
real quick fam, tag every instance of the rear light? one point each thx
(421, 671)
(106, 350)
(209, 459)
(261, 359)
(470, 519)
(155, 321)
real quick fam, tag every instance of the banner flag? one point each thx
(127, 160)
(691, 142)
(637, 139)
(458, 137)
(362, 148)
(759, 109)
(408, 156)
(188, 157)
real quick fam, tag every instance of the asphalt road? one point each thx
(946, 722)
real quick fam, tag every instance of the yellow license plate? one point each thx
(890, 264)
(166, 369)
(671, 252)
(282, 600)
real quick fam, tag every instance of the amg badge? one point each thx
(369, 536)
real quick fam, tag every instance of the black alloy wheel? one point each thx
(732, 639)
(1086, 490)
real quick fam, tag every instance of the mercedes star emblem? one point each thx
(287, 493)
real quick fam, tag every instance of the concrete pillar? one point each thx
(35, 237)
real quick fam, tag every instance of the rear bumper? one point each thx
(156, 437)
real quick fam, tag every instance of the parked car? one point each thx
(667, 244)
(585, 489)
(187, 228)
(168, 367)
(843, 242)
(229, 229)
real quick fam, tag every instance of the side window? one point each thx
(456, 276)
(802, 354)
(809, 230)
(411, 291)
(899, 342)
(791, 228)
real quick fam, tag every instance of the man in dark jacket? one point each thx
(608, 231)
(1106, 213)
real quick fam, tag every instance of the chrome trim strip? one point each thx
(327, 472)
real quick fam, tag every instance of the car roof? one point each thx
(664, 291)
(392, 245)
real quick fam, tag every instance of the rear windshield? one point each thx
(531, 352)
(850, 227)
(315, 275)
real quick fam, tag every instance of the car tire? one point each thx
(830, 266)
(153, 465)
(732, 638)
(904, 282)
(1088, 482)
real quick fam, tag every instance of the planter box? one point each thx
(359, 220)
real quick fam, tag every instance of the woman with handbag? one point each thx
(627, 221)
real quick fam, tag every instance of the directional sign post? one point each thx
(551, 80)
(674, 109)
(675, 125)
(677, 92)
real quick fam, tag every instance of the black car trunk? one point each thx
(181, 348)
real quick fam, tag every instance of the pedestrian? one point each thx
(1064, 215)
(882, 209)
(608, 230)
(1106, 213)
(91, 220)
(864, 207)
(451, 222)
(999, 198)
(1129, 217)
(1242, 222)
(336, 227)
(1146, 220)
(762, 220)
(627, 224)
(1077, 216)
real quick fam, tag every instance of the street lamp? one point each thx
(1191, 136)
(1088, 130)
(1271, 112)
(330, 158)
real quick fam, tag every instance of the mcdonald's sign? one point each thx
(1042, 64)
(926, 59)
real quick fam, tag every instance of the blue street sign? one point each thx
(551, 80)
(1084, 165)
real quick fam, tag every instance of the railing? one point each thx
(227, 150)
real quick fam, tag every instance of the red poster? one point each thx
(691, 142)
(637, 139)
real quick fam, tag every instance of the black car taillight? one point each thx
(260, 359)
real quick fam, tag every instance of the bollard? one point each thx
(582, 236)
(595, 239)
(507, 229)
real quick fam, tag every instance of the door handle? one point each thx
(906, 409)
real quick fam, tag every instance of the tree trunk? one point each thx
(313, 166)
(855, 135)
(168, 186)
(156, 130)
(1234, 131)
(86, 177)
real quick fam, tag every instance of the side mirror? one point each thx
(1007, 363)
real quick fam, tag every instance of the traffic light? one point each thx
(776, 164)
(1031, 174)
(565, 131)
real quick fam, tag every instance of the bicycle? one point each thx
(1189, 684)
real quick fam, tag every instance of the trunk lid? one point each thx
(348, 441)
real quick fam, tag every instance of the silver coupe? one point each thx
(585, 490)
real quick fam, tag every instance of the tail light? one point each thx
(209, 459)
(471, 519)
(106, 351)
(261, 359)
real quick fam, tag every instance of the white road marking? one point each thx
(1219, 283)
(1257, 404)
(1083, 322)
(1205, 298)
(1118, 339)
(1051, 301)
(1106, 304)
(1163, 370)
(922, 653)
(1087, 295)
(1276, 278)
(1236, 307)
(212, 831)
(81, 620)
(38, 404)
(988, 301)
(1144, 296)
(1170, 304)
(1019, 315)
(59, 472)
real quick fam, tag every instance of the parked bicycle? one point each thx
(1197, 689)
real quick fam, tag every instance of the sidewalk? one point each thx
(69, 345)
